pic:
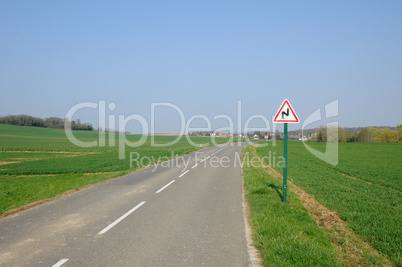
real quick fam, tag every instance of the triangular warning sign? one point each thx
(286, 114)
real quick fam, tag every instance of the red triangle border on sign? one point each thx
(291, 110)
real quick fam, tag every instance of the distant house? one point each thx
(303, 138)
(256, 137)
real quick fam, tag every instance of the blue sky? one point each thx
(204, 57)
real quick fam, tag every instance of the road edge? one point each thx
(254, 256)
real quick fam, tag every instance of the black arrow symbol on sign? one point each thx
(285, 113)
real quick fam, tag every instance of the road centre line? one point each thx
(60, 263)
(121, 218)
(160, 190)
(183, 173)
(206, 158)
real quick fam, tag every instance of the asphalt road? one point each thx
(164, 215)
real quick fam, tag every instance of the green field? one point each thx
(39, 163)
(364, 188)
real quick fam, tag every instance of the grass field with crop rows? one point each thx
(364, 188)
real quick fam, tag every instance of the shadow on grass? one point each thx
(277, 189)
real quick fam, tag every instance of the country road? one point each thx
(164, 215)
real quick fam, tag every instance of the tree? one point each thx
(320, 137)
(321, 134)
(352, 137)
(399, 133)
(367, 135)
(343, 135)
(277, 135)
(386, 135)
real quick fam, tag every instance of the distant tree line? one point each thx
(365, 135)
(52, 122)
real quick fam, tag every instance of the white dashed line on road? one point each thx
(160, 190)
(183, 173)
(60, 263)
(121, 218)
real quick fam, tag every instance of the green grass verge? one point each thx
(284, 234)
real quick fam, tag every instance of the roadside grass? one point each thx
(371, 205)
(40, 163)
(284, 234)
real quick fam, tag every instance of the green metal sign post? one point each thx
(285, 161)
(285, 115)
